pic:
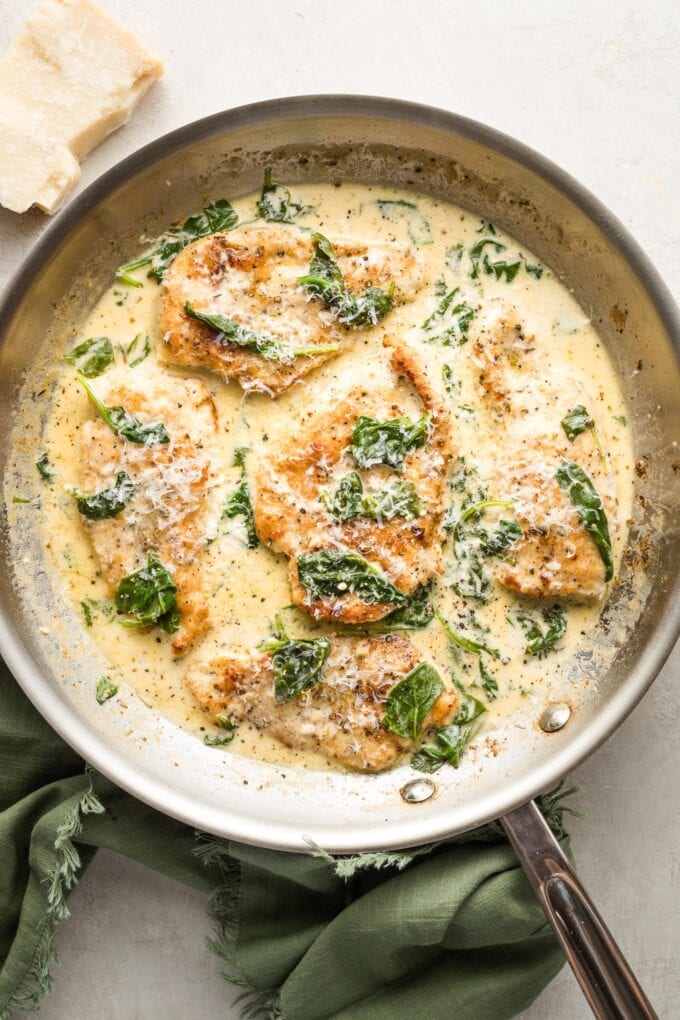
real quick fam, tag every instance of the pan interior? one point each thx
(315, 140)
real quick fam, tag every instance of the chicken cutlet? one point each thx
(169, 510)
(341, 716)
(249, 276)
(378, 525)
(556, 557)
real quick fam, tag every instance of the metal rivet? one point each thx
(418, 790)
(554, 717)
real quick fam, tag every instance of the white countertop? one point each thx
(594, 86)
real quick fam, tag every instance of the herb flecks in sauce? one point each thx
(449, 323)
(43, 466)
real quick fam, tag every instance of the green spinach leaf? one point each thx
(387, 442)
(91, 357)
(239, 503)
(149, 596)
(216, 216)
(495, 543)
(543, 631)
(43, 466)
(297, 662)
(410, 700)
(335, 573)
(349, 500)
(399, 210)
(417, 614)
(451, 740)
(138, 349)
(107, 502)
(460, 316)
(326, 283)
(105, 689)
(577, 421)
(578, 486)
(126, 424)
(228, 727)
(268, 347)
(275, 203)
(466, 643)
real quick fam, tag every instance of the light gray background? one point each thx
(595, 86)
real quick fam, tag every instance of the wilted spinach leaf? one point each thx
(466, 643)
(573, 480)
(239, 503)
(411, 699)
(335, 573)
(459, 316)
(138, 349)
(107, 502)
(398, 209)
(349, 500)
(450, 740)
(268, 347)
(415, 615)
(325, 283)
(297, 662)
(105, 689)
(577, 421)
(91, 357)
(228, 727)
(543, 631)
(149, 596)
(387, 442)
(127, 424)
(216, 216)
(275, 203)
(43, 466)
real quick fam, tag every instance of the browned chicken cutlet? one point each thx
(292, 482)
(340, 716)
(169, 511)
(250, 275)
(557, 557)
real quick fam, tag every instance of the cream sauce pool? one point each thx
(245, 588)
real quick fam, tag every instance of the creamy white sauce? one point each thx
(245, 588)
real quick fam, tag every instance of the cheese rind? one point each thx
(70, 77)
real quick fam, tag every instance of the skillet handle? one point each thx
(606, 980)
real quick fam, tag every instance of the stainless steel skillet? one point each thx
(373, 140)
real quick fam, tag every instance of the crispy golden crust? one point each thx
(290, 517)
(340, 717)
(250, 275)
(169, 509)
(557, 558)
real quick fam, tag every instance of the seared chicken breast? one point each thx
(250, 276)
(340, 716)
(169, 511)
(296, 496)
(557, 557)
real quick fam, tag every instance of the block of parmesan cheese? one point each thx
(70, 77)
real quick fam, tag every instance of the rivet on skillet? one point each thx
(554, 717)
(418, 790)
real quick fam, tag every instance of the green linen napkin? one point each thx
(451, 930)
